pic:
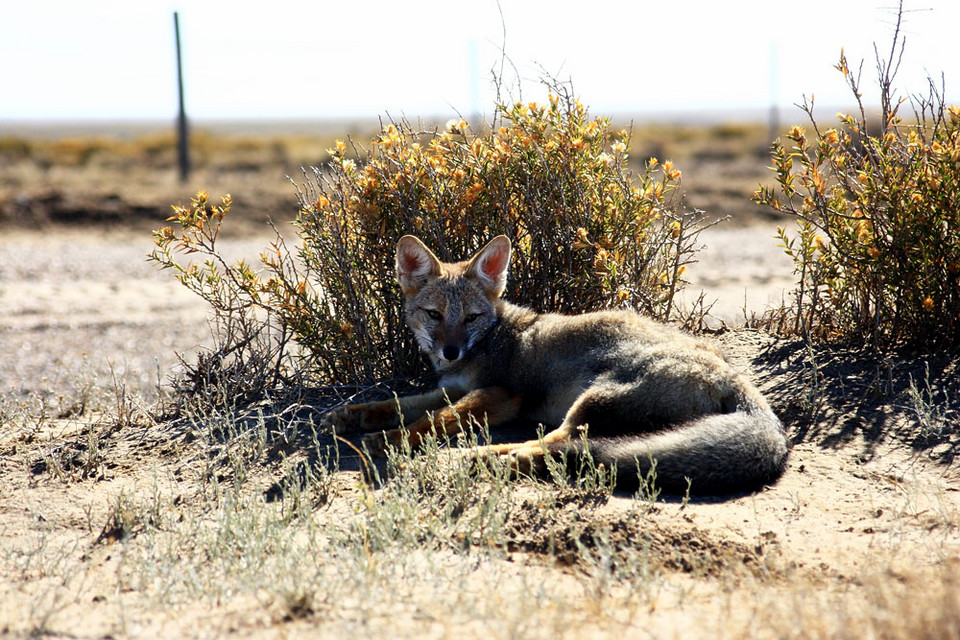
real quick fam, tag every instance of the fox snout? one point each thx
(451, 342)
(451, 352)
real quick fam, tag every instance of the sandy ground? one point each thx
(845, 537)
(88, 307)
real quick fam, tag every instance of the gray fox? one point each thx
(642, 392)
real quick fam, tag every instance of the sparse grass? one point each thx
(242, 517)
(439, 549)
(378, 558)
(932, 408)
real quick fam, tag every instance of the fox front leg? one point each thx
(492, 405)
(385, 414)
(528, 458)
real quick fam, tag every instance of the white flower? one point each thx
(456, 126)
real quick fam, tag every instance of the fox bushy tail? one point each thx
(715, 454)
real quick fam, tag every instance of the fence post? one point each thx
(183, 145)
(774, 124)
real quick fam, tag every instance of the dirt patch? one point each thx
(573, 533)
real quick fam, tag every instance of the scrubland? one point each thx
(125, 512)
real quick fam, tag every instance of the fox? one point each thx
(636, 394)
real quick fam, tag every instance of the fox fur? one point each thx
(642, 392)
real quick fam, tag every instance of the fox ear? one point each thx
(490, 265)
(416, 264)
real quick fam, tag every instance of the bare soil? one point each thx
(859, 538)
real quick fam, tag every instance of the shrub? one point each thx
(877, 246)
(586, 232)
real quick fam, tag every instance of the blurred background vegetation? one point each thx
(127, 175)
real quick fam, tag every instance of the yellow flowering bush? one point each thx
(877, 245)
(587, 233)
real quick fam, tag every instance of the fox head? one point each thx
(451, 306)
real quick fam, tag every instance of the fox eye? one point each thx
(434, 314)
(471, 317)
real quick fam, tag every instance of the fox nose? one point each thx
(451, 353)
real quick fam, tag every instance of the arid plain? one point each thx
(117, 523)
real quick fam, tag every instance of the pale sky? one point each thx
(114, 59)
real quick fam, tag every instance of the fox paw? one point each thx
(362, 418)
(377, 444)
(520, 460)
(524, 461)
(342, 421)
